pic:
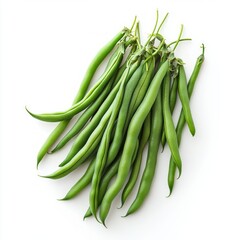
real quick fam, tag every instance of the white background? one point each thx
(45, 48)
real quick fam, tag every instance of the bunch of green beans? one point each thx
(127, 111)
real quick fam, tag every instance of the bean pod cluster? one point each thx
(126, 112)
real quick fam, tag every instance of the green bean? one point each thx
(107, 177)
(101, 55)
(183, 95)
(140, 90)
(94, 139)
(84, 135)
(81, 183)
(103, 149)
(82, 120)
(119, 133)
(104, 184)
(154, 141)
(132, 136)
(91, 95)
(169, 128)
(172, 102)
(137, 163)
(182, 121)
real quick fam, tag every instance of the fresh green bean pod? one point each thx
(92, 142)
(173, 100)
(181, 121)
(137, 163)
(90, 97)
(183, 95)
(84, 135)
(82, 120)
(107, 177)
(169, 128)
(132, 136)
(140, 90)
(121, 122)
(103, 149)
(154, 141)
(100, 56)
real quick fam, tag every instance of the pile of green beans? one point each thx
(126, 112)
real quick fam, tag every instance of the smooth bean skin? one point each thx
(89, 98)
(112, 171)
(107, 177)
(52, 138)
(169, 128)
(183, 95)
(100, 56)
(121, 121)
(181, 121)
(137, 163)
(104, 148)
(84, 135)
(92, 141)
(97, 60)
(173, 100)
(132, 136)
(81, 183)
(154, 142)
(140, 90)
(82, 120)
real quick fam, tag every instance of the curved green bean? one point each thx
(121, 122)
(154, 141)
(169, 128)
(172, 103)
(132, 135)
(91, 95)
(103, 149)
(97, 60)
(137, 163)
(182, 121)
(183, 95)
(83, 119)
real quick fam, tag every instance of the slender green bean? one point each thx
(121, 122)
(169, 128)
(182, 121)
(154, 141)
(100, 56)
(132, 135)
(183, 95)
(91, 95)
(137, 163)
(84, 135)
(82, 120)
(103, 149)
(173, 100)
